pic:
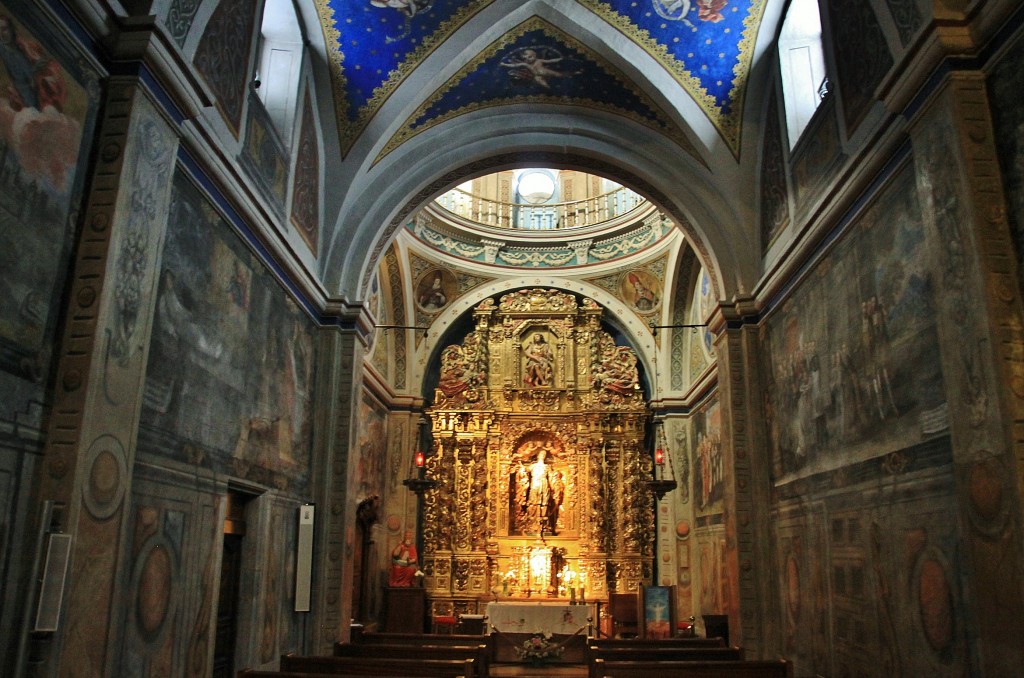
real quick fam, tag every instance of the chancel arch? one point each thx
(618, 314)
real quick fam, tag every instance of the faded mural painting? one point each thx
(229, 381)
(1006, 82)
(707, 460)
(867, 531)
(47, 108)
(372, 448)
(851, 360)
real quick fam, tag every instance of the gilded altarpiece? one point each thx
(538, 453)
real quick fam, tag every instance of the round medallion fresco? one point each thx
(435, 289)
(640, 289)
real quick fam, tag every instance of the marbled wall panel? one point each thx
(817, 155)
(371, 448)
(906, 14)
(306, 183)
(709, 548)
(179, 18)
(397, 315)
(1006, 82)
(223, 56)
(803, 584)
(174, 535)
(229, 379)
(156, 581)
(263, 155)
(774, 196)
(868, 568)
(47, 114)
(279, 627)
(851, 357)
(862, 56)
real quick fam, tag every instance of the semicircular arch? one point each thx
(392, 198)
(619, 315)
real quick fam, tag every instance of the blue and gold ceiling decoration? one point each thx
(535, 63)
(706, 45)
(377, 43)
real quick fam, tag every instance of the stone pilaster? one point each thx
(982, 353)
(749, 566)
(338, 386)
(90, 447)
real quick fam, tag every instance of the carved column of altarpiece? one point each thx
(538, 426)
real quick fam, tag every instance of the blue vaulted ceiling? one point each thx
(704, 45)
(535, 63)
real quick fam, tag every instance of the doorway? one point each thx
(365, 589)
(230, 580)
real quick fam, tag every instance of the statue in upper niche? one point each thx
(463, 367)
(540, 359)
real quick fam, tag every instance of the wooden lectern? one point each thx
(404, 609)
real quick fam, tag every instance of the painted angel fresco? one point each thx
(535, 64)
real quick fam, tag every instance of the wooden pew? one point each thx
(373, 666)
(713, 669)
(253, 673)
(657, 642)
(617, 655)
(420, 639)
(480, 652)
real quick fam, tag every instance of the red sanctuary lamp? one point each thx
(420, 483)
(660, 485)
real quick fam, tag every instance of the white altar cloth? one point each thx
(509, 617)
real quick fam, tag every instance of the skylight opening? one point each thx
(280, 64)
(802, 65)
(540, 198)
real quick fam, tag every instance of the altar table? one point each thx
(509, 617)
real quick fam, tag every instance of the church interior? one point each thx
(658, 319)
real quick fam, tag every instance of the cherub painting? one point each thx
(673, 10)
(535, 65)
(408, 9)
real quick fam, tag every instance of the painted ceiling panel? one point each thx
(536, 63)
(706, 45)
(377, 44)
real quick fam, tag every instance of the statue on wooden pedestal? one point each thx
(404, 562)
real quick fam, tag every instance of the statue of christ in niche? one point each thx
(536, 491)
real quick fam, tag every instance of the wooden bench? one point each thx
(479, 651)
(713, 669)
(612, 657)
(373, 666)
(424, 639)
(656, 642)
(253, 673)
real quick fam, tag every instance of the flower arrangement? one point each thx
(538, 648)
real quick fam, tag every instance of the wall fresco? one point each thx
(706, 443)
(47, 108)
(1006, 82)
(229, 380)
(851, 359)
(371, 448)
